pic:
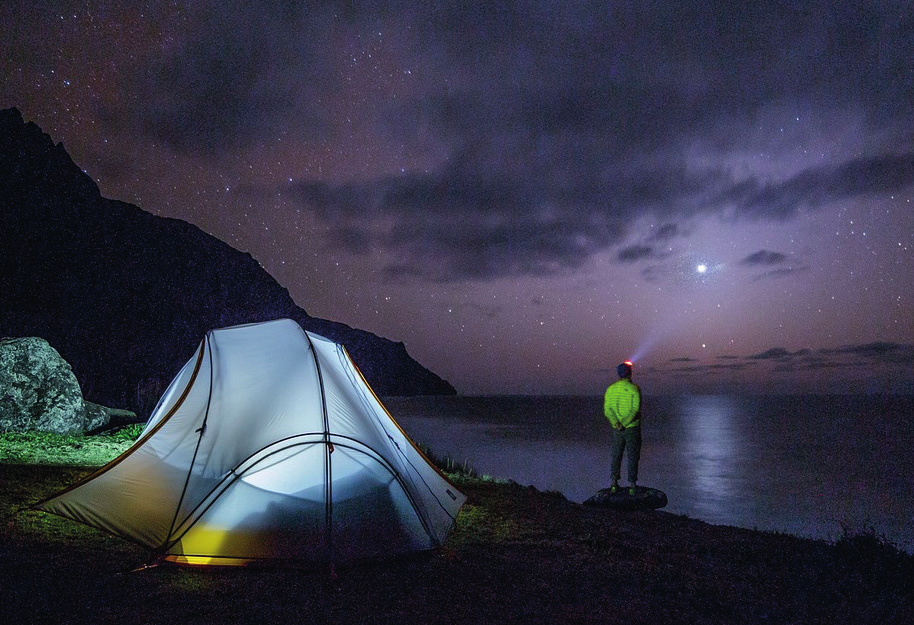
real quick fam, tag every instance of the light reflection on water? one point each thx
(711, 463)
(798, 464)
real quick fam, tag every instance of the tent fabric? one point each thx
(268, 444)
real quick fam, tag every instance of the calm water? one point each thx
(806, 465)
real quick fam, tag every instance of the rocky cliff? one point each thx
(125, 296)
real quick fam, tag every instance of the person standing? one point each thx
(622, 407)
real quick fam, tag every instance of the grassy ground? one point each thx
(54, 449)
(515, 555)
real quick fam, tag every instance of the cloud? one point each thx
(545, 177)
(898, 357)
(817, 186)
(460, 222)
(229, 78)
(666, 232)
(545, 131)
(880, 351)
(778, 353)
(764, 257)
(634, 253)
(886, 366)
(779, 273)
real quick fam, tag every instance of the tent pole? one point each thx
(190, 470)
(328, 450)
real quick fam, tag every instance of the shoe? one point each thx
(632, 489)
(614, 488)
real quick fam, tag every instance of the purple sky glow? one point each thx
(523, 193)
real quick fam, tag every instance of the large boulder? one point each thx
(38, 391)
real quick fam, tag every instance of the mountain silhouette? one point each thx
(126, 296)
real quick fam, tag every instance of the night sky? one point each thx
(523, 195)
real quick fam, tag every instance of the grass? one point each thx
(515, 555)
(448, 464)
(72, 450)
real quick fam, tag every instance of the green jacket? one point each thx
(622, 403)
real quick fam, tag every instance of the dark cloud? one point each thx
(516, 191)
(764, 257)
(893, 360)
(547, 115)
(462, 222)
(640, 78)
(897, 353)
(666, 232)
(779, 273)
(511, 223)
(778, 353)
(353, 239)
(634, 253)
(817, 186)
(654, 273)
(234, 78)
(609, 85)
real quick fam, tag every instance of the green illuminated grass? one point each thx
(73, 450)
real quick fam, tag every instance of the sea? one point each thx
(819, 466)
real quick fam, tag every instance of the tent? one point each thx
(268, 445)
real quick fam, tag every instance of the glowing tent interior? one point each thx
(268, 445)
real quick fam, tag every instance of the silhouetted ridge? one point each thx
(124, 295)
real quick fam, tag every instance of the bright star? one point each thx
(701, 268)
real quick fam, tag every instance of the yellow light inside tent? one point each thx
(209, 539)
(207, 561)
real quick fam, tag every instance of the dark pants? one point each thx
(626, 441)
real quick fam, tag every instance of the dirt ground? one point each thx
(515, 555)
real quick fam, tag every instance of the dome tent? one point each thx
(268, 445)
